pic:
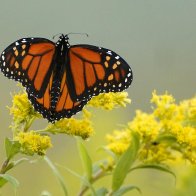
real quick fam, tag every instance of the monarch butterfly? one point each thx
(60, 79)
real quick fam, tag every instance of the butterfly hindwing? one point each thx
(56, 102)
(95, 70)
(29, 61)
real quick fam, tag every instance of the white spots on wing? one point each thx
(118, 62)
(109, 52)
(16, 43)
(68, 45)
(125, 80)
(3, 58)
(117, 57)
(129, 74)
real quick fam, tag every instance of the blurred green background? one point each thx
(157, 38)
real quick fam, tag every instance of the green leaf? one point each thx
(10, 179)
(8, 167)
(125, 162)
(57, 174)
(86, 160)
(2, 182)
(101, 192)
(11, 148)
(126, 189)
(154, 166)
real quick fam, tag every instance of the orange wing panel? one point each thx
(46, 99)
(39, 48)
(69, 103)
(43, 69)
(100, 71)
(90, 74)
(62, 99)
(77, 70)
(117, 75)
(12, 60)
(87, 54)
(26, 61)
(33, 67)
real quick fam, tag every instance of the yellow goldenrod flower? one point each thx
(159, 153)
(22, 109)
(119, 141)
(71, 126)
(33, 143)
(167, 134)
(188, 110)
(165, 106)
(110, 100)
(145, 124)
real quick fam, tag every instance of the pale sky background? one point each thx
(156, 37)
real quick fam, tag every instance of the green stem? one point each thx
(29, 123)
(4, 166)
(97, 176)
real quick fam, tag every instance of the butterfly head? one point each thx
(63, 40)
(64, 37)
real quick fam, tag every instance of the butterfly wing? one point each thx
(54, 110)
(94, 70)
(29, 61)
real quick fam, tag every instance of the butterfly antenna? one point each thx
(78, 34)
(57, 35)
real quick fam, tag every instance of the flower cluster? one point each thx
(166, 134)
(21, 109)
(71, 126)
(110, 100)
(119, 141)
(33, 143)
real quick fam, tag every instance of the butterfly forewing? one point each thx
(95, 70)
(29, 61)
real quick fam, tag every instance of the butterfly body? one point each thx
(59, 78)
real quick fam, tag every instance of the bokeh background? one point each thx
(157, 38)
